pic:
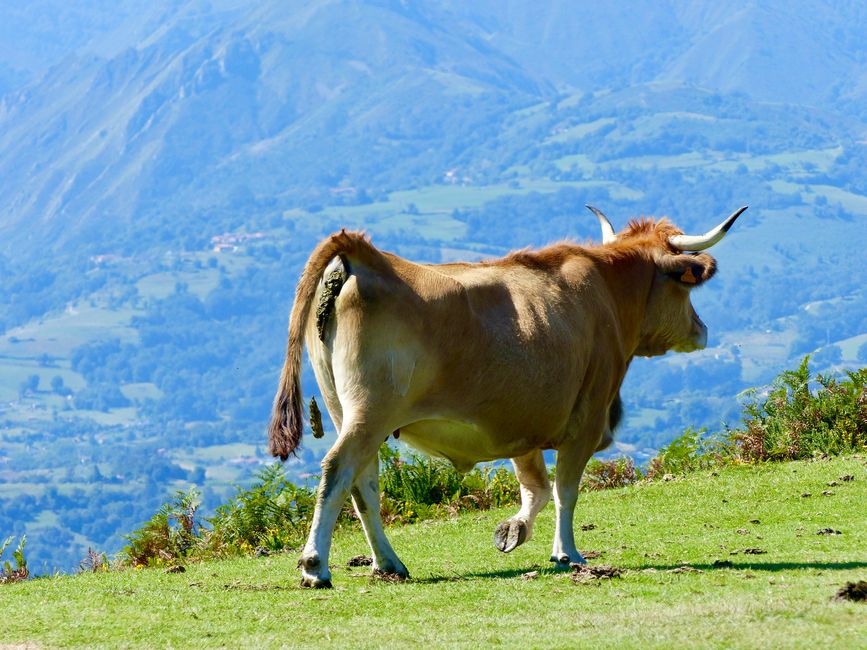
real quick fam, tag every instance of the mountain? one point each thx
(282, 98)
(149, 114)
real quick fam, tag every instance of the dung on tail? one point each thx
(287, 424)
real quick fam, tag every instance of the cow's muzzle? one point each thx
(697, 337)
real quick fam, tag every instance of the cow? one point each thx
(480, 361)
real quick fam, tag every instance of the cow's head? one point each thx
(669, 322)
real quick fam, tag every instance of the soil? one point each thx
(828, 531)
(360, 560)
(853, 591)
(586, 572)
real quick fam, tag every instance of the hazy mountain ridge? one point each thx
(269, 99)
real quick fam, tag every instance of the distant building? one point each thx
(229, 242)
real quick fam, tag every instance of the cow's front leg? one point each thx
(570, 466)
(353, 451)
(365, 498)
(535, 494)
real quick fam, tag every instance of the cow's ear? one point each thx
(689, 270)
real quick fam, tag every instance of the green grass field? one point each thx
(464, 593)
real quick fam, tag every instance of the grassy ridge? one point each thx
(464, 592)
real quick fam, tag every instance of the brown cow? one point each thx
(476, 362)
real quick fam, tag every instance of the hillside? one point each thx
(164, 171)
(464, 592)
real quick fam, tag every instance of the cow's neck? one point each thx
(629, 279)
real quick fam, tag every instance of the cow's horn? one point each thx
(608, 235)
(700, 242)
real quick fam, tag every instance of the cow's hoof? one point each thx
(311, 574)
(510, 534)
(567, 559)
(391, 576)
(312, 582)
(391, 571)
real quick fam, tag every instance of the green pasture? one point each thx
(690, 579)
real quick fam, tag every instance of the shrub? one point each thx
(794, 422)
(608, 474)
(423, 487)
(93, 562)
(692, 450)
(273, 514)
(788, 422)
(169, 535)
(19, 572)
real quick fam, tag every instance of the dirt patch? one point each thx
(591, 555)
(722, 564)
(588, 526)
(686, 568)
(178, 568)
(846, 478)
(754, 551)
(360, 560)
(828, 531)
(853, 591)
(388, 577)
(530, 575)
(587, 573)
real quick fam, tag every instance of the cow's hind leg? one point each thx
(365, 497)
(535, 494)
(347, 459)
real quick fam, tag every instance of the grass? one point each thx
(465, 593)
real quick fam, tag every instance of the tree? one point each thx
(58, 387)
(29, 385)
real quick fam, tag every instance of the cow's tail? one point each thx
(286, 427)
